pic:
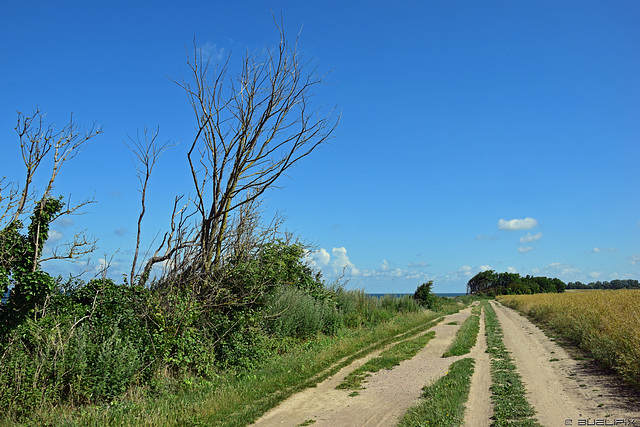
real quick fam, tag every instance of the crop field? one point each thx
(604, 323)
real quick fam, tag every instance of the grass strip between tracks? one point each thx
(442, 403)
(508, 393)
(465, 337)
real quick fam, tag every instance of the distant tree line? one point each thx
(614, 284)
(491, 283)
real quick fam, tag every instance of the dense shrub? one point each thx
(291, 312)
(425, 296)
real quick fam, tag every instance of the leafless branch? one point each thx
(250, 130)
(146, 153)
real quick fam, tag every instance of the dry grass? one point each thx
(604, 323)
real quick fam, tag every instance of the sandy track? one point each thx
(479, 406)
(558, 387)
(562, 389)
(387, 394)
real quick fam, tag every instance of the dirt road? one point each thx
(561, 390)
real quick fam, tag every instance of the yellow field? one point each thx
(604, 323)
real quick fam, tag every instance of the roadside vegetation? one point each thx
(508, 392)
(604, 323)
(443, 402)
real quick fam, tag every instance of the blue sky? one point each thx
(473, 135)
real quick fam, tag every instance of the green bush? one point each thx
(294, 313)
(425, 296)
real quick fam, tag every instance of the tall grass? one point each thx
(604, 323)
(236, 398)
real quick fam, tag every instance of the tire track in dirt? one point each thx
(558, 387)
(479, 406)
(387, 394)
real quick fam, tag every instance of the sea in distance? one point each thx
(440, 294)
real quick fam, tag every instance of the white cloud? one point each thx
(211, 50)
(318, 259)
(558, 268)
(517, 224)
(418, 265)
(525, 249)
(465, 270)
(512, 270)
(597, 250)
(595, 274)
(635, 259)
(342, 263)
(54, 236)
(485, 268)
(337, 263)
(530, 238)
(63, 222)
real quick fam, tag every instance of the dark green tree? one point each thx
(425, 296)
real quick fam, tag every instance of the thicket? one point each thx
(91, 342)
(614, 284)
(491, 283)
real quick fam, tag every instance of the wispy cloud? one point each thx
(418, 265)
(635, 259)
(211, 51)
(530, 238)
(465, 271)
(120, 231)
(484, 237)
(561, 269)
(517, 224)
(63, 222)
(598, 250)
(525, 249)
(54, 236)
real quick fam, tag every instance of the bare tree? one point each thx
(250, 130)
(147, 153)
(37, 141)
(22, 253)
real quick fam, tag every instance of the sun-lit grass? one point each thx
(605, 323)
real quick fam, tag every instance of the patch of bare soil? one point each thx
(563, 391)
(387, 394)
